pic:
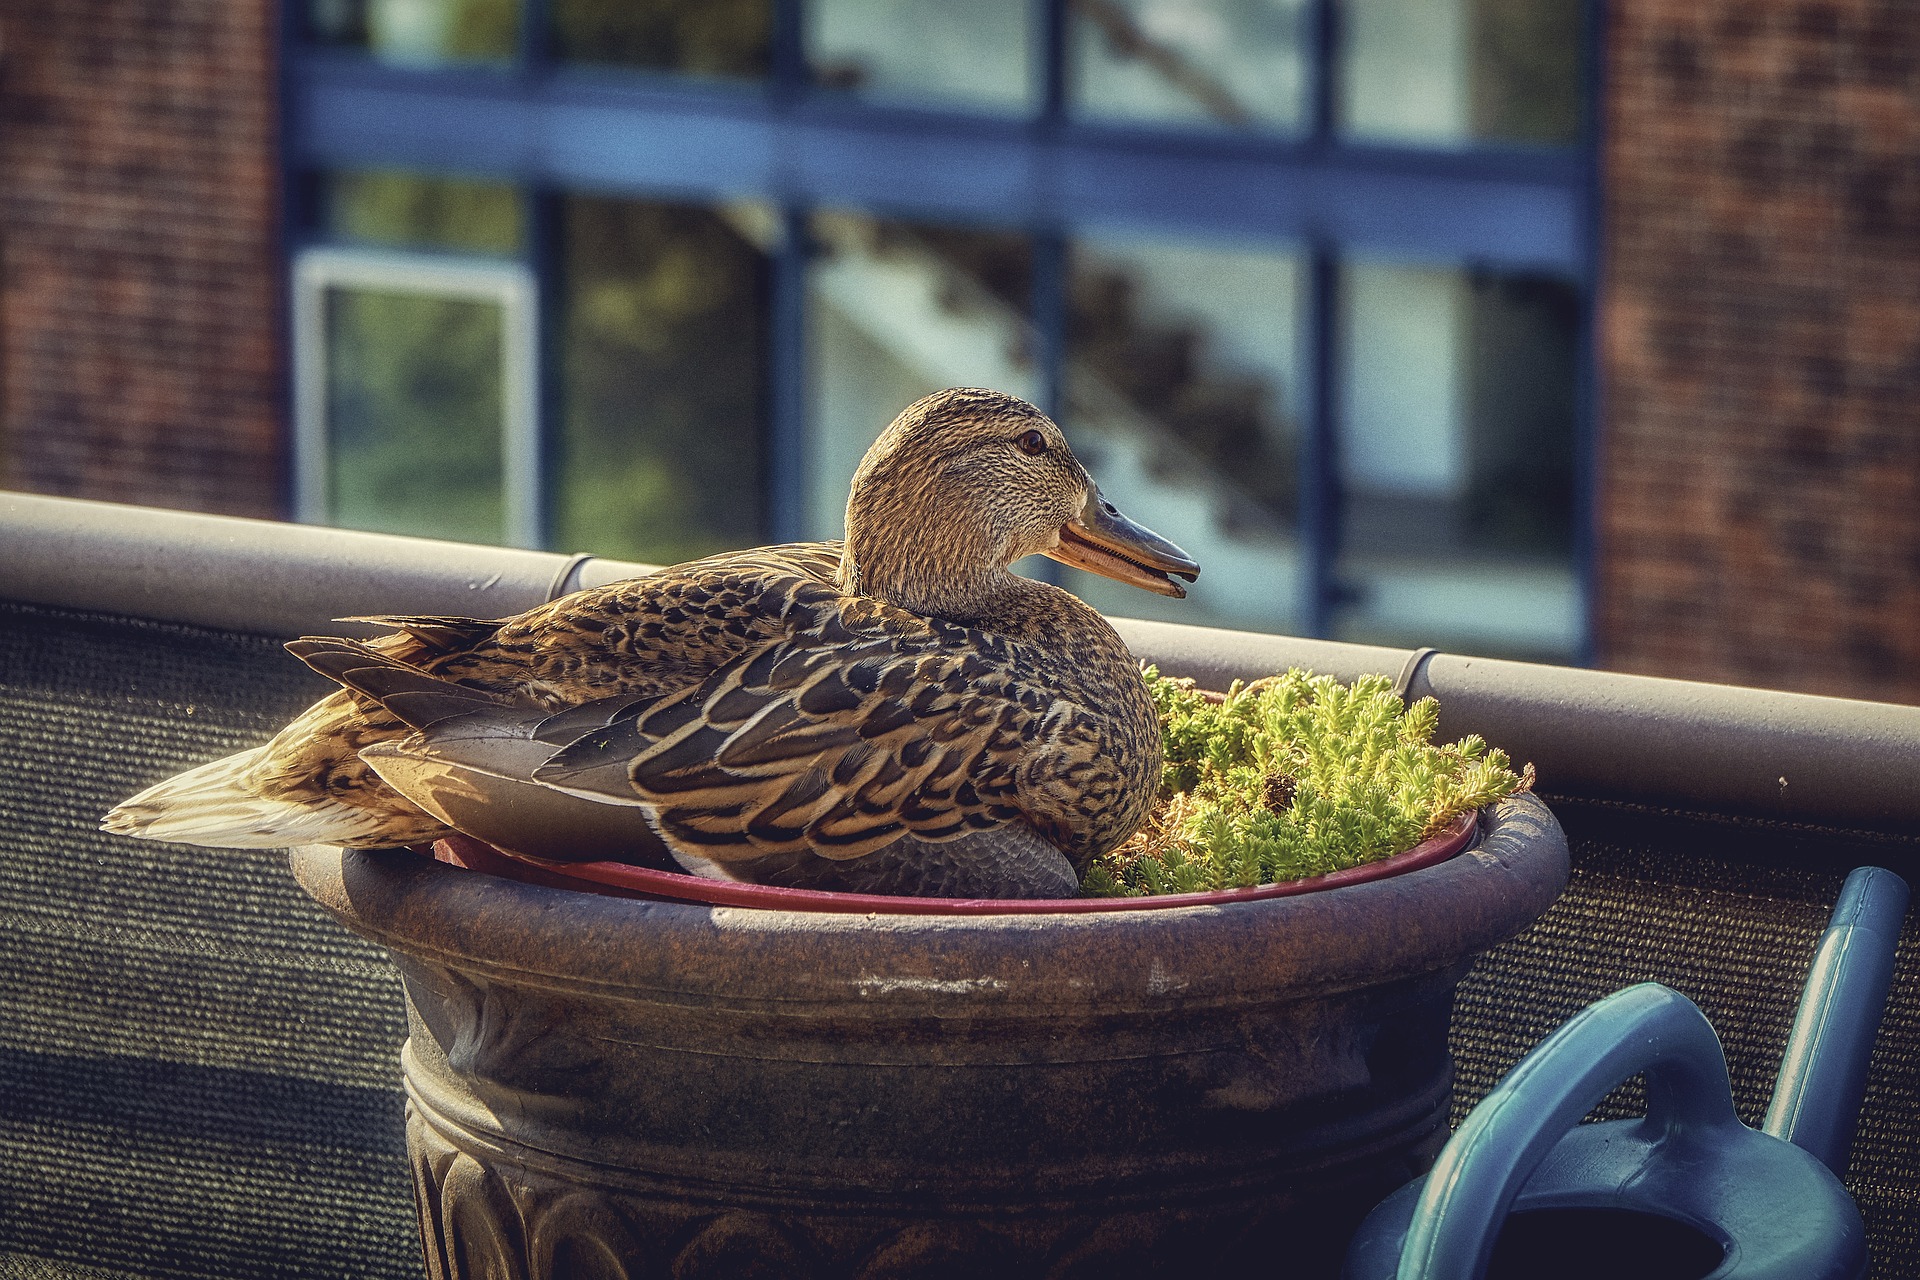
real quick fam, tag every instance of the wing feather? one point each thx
(841, 740)
(860, 727)
(836, 729)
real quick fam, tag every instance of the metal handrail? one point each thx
(1699, 747)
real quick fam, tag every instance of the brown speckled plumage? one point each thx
(810, 699)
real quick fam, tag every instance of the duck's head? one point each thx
(967, 481)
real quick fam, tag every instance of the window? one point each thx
(414, 397)
(1306, 281)
(898, 310)
(1456, 475)
(661, 377)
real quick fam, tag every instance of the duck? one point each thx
(895, 712)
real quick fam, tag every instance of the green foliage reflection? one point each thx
(660, 437)
(407, 209)
(414, 401)
(697, 37)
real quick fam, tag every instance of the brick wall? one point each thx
(1760, 345)
(139, 291)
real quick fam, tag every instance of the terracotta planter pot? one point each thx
(604, 1086)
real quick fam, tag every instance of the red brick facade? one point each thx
(1759, 504)
(139, 286)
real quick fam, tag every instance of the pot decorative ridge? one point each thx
(675, 1088)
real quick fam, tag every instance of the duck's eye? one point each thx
(1032, 443)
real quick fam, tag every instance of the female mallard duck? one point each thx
(898, 713)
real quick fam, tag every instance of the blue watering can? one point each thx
(1688, 1191)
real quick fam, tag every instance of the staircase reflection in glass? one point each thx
(1226, 63)
(1184, 395)
(970, 54)
(898, 310)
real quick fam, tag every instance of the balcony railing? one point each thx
(200, 1071)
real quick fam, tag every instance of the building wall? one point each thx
(1759, 515)
(1759, 468)
(139, 288)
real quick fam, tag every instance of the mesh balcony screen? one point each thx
(1729, 918)
(198, 1070)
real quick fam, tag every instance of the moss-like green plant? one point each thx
(1291, 776)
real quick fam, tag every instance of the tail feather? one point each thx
(211, 805)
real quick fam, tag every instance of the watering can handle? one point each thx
(1647, 1029)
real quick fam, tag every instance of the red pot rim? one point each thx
(622, 880)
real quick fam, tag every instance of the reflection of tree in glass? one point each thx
(1521, 396)
(699, 37)
(483, 29)
(660, 436)
(414, 414)
(474, 30)
(1526, 72)
(389, 207)
(1162, 370)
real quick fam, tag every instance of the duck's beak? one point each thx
(1101, 540)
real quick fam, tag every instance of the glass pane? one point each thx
(969, 53)
(1222, 62)
(1457, 461)
(898, 311)
(407, 210)
(1527, 77)
(1184, 398)
(1453, 71)
(693, 37)
(660, 438)
(420, 32)
(414, 414)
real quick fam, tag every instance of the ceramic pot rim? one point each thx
(1026, 965)
(668, 886)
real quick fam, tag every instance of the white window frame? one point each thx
(510, 285)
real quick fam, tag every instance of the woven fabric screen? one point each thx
(198, 1069)
(1729, 916)
(199, 1074)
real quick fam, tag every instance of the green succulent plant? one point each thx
(1295, 775)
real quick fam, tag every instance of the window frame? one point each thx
(548, 126)
(506, 283)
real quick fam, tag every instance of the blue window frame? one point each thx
(787, 139)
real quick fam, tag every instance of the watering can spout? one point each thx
(1823, 1074)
